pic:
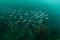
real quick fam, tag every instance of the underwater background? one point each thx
(22, 19)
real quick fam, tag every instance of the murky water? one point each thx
(21, 17)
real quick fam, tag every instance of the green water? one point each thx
(51, 7)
